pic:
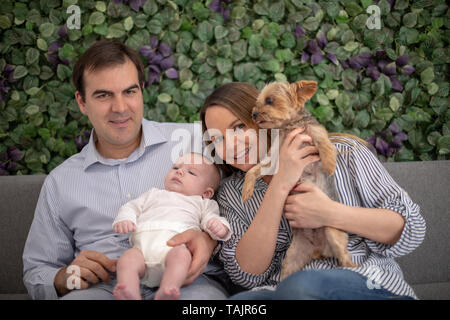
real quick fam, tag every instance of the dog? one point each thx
(281, 105)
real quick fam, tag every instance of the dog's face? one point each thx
(280, 102)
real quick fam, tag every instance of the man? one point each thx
(71, 241)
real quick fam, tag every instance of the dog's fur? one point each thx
(280, 105)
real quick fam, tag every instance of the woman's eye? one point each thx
(239, 127)
(217, 140)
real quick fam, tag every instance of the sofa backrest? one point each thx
(427, 269)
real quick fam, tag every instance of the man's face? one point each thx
(113, 102)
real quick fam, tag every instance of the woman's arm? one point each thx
(312, 209)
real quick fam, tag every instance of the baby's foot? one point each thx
(169, 293)
(121, 292)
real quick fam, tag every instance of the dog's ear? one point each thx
(304, 90)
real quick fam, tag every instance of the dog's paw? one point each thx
(247, 190)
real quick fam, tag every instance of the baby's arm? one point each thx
(125, 221)
(216, 226)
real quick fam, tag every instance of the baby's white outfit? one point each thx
(159, 215)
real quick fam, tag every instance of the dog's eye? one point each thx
(269, 101)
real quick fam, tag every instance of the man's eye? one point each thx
(131, 92)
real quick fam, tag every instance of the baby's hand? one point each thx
(124, 227)
(217, 227)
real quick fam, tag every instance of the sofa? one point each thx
(427, 269)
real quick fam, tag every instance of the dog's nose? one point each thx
(255, 115)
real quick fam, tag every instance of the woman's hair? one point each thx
(237, 97)
(103, 54)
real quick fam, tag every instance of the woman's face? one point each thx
(234, 142)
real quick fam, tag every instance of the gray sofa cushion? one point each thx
(427, 269)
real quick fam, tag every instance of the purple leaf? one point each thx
(408, 69)
(380, 53)
(167, 63)
(373, 73)
(354, 63)
(153, 42)
(316, 58)
(62, 32)
(382, 146)
(394, 127)
(313, 47)
(146, 51)
(299, 32)
(11, 166)
(401, 136)
(396, 85)
(382, 63)
(390, 69)
(332, 58)
(155, 58)
(165, 50)
(172, 73)
(136, 4)
(305, 56)
(15, 154)
(154, 69)
(364, 58)
(344, 63)
(402, 60)
(226, 14)
(215, 5)
(372, 139)
(321, 40)
(54, 46)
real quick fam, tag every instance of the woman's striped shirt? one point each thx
(361, 181)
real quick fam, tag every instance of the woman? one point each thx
(380, 218)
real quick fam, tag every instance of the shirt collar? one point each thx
(151, 135)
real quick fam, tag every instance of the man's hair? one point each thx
(103, 54)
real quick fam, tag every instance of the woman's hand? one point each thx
(201, 247)
(308, 209)
(294, 157)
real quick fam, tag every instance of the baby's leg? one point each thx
(177, 265)
(130, 269)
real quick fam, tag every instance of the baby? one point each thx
(158, 215)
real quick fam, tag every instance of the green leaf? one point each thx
(272, 66)
(116, 30)
(427, 76)
(20, 72)
(46, 29)
(220, 32)
(205, 31)
(32, 56)
(31, 110)
(172, 111)
(164, 98)
(128, 23)
(63, 72)
(96, 18)
(410, 19)
(224, 65)
(362, 119)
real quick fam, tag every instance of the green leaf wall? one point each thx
(255, 41)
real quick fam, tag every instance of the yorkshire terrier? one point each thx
(280, 105)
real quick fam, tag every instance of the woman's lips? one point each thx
(243, 153)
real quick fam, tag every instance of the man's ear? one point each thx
(304, 90)
(209, 192)
(81, 102)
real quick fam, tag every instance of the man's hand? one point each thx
(93, 267)
(201, 246)
(124, 227)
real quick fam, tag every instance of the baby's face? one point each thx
(191, 175)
